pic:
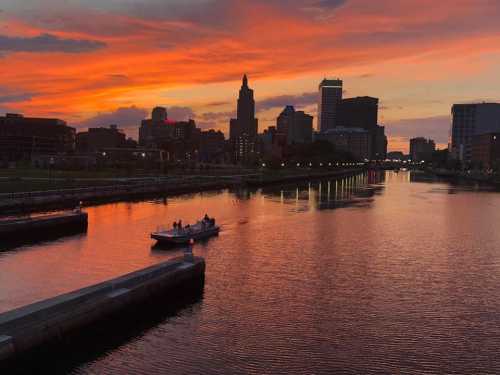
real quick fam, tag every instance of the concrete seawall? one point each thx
(43, 226)
(65, 198)
(49, 322)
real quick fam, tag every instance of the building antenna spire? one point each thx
(245, 80)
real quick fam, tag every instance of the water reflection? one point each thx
(353, 191)
(45, 238)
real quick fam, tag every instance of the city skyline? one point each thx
(189, 56)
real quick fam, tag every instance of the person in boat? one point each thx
(175, 226)
(206, 218)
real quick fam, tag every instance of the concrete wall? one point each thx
(31, 228)
(31, 201)
(27, 328)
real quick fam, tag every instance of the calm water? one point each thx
(374, 274)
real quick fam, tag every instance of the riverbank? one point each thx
(26, 202)
(470, 176)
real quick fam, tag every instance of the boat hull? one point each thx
(168, 238)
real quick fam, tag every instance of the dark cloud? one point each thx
(13, 98)
(48, 43)
(125, 117)
(217, 116)
(217, 104)
(331, 4)
(436, 128)
(301, 100)
(120, 77)
(180, 113)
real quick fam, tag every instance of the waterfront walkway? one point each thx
(152, 186)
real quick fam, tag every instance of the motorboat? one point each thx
(182, 235)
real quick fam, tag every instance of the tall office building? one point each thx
(330, 101)
(421, 149)
(296, 126)
(470, 120)
(486, 151)
(243, 129)
(360, 112)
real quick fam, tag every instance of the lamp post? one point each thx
(104, 159)
(51, 165)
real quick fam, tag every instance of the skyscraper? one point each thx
(470, 120)
(330, 101)
(362, 112)
(296, 126)
(243, 129)
(359, 112)
(421, 149)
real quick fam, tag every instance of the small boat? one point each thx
(201, 230)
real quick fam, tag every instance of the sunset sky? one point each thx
(97, 62)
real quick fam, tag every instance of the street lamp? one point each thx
(51, 165)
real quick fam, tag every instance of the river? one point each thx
(373, 274)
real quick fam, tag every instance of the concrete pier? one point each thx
(37, 227)
(47, 323)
